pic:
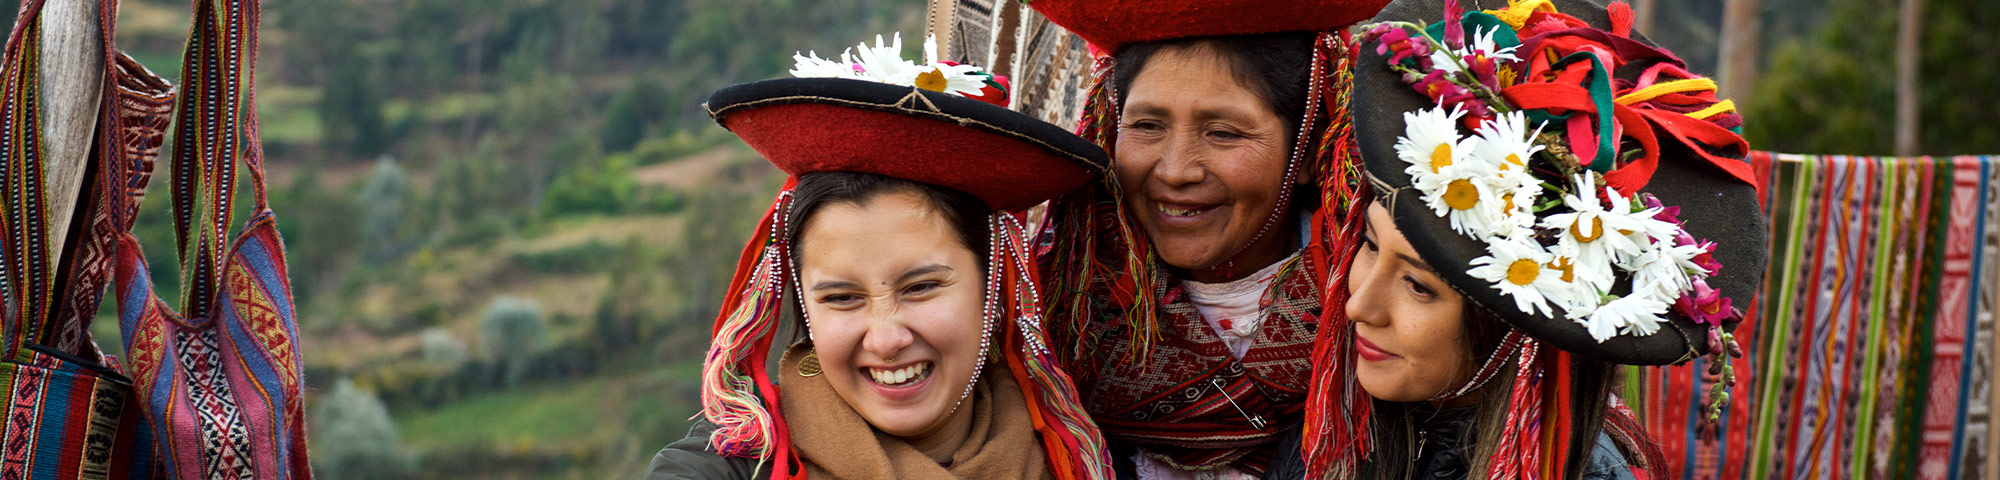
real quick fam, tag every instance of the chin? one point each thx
(1187, 254)
(904, 422)
(1383, 385)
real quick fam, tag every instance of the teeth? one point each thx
(1176, 212)
(900, 376)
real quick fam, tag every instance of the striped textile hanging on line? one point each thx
(1869, 351)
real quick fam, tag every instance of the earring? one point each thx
(809, 366)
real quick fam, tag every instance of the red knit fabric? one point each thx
(814, 137)
(1111, 24)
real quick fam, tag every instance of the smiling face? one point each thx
(893, 297)
(1409, 324)
(1201, 162)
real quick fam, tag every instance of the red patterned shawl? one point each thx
(1166, 402)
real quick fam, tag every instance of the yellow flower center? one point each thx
(1564, 265)
(1460, 194)
(1512, 159)
(932, 80)
(1523, 272)
(1509, 198)
(1595, 231)
(1441, 157)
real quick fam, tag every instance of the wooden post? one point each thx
(1908, 56)
(72, 83)
(1643, 9)
(1742, 27)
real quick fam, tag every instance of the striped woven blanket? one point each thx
(1870, 348)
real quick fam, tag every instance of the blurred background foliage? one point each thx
(510, 223)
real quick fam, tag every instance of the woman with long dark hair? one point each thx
(1550, 197)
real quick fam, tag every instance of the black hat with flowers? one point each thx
(1563, 173)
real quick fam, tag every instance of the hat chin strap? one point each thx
(1487, 370)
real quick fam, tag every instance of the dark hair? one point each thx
(1275, 66)
(1591, 383)
(966, 213)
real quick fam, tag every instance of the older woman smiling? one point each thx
(1188, 286)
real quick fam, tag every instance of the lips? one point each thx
(1369, 351)
(900, 377)
(1180, 211)
(1183, 214)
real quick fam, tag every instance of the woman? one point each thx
(1539, 177)
(1191, 281)
(922, 354)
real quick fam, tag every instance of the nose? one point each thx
(887, 336)
(1364, 304)
(1181, 162)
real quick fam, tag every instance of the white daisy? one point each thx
(936, 76)
(1464, 194)
(1521, 269)
(1663, 270)
(1431, 142)
(1505, 142)
(1636, 314)
(809, 65)
(1591, 234)
(882, 63)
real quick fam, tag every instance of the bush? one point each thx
(356, 438)
(512, 334)
(605, 188)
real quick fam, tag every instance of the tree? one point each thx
(1834, 91)
(355, 438)
(512, 334)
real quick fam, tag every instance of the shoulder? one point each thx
(1607, 461)
(689, 458)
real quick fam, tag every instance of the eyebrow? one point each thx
(913, 273)
(1416, 261)
(1206, 114)
(1368, 235)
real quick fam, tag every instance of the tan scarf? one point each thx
(835, 442)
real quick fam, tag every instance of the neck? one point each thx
(1266, 250)
(941, 444)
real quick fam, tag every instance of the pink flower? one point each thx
(1405, 46)
(1454, 31)
(1705, 305)
(1706, 260)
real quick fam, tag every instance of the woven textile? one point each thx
(1869, 351)
(68, 412)
(219, 381)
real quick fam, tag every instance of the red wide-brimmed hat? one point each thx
(805, 125)
(1112, 24)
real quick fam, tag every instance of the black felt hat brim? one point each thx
(1714, 206)
(805, 125)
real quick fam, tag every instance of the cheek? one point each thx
(1133, 162)
(835, 335)
(953, 325)
(1254, 175)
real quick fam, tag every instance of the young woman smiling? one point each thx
(1550, 196)
(922, 353)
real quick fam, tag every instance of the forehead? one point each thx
(888, 226)
(1192, 76)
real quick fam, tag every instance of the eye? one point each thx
(1224, 134)
(1145, 126)
(1418, 289)
(920, 288)
(841, 300)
